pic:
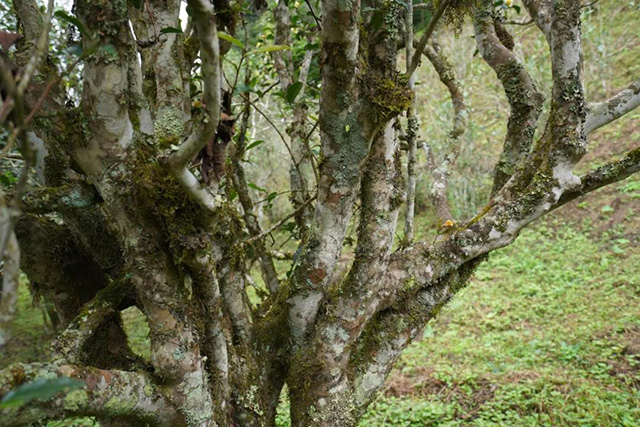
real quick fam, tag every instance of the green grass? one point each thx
(28, 334)
(548, 333)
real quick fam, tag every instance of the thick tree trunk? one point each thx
(137, 226)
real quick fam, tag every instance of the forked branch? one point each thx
(205, 23)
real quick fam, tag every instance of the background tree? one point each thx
(126, 218)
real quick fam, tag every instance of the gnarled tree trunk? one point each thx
(135, 224)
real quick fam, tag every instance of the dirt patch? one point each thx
(605, 210)
(627, 366)
(421, 383)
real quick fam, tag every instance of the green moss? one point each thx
(390, 95)
(148, 390)
(109, 17)
(76, 400)
(116, 405)
(169, 127)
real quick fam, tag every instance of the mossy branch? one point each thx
(69, 344)
(107, 394)
(603, 175)
(56, 199)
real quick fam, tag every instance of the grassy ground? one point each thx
(548, 333)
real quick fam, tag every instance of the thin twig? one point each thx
(282, 221)
(313, 13)
(524, 21)
(425, 37)
(273, 125)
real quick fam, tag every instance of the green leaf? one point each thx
(254, 144)
(64, 16)
(255, 187)
(137, 4)
(8, 178)
(171, 30)
(269, 48)
(39, 389)
(517, 8)
(292, 91)
(272, 196)
(230, 39)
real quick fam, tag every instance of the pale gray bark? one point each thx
(412, 131)
(345, 142)
(602, 113)
(441, 170)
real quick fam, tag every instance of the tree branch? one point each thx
(70, 343)
(413, 126)
(567, 116)
(55, 199)
(603, 175)
(10, 283)
(296, 130)
(602, 113)
(39, 53)
(267, 267)
(205, 23)
(393, 329)
(345, 138)
(540, 11)
(415, 60)
(441, 172)
(280, 223)
(103, 396)
(524, 98)
(342, 322)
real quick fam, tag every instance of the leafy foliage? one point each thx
(39, 389)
